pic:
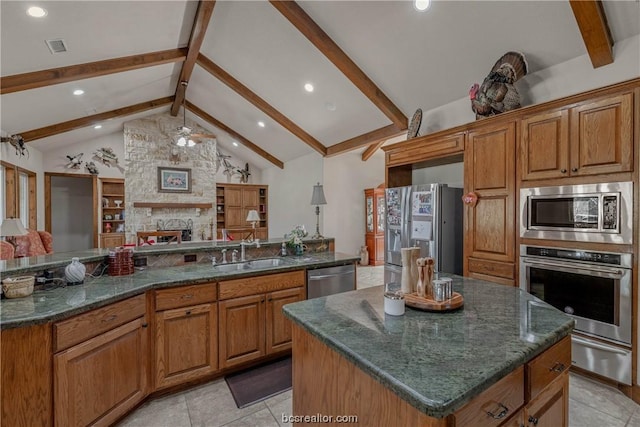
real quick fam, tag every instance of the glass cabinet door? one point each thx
(369, 204)
(380, 211)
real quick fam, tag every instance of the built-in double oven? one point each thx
(592, 286)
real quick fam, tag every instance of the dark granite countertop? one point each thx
(59, 303)
(436, 361)
(61, 259)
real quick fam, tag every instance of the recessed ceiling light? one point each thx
(36, 12)
(329, 106)
(422, 5)
(97, 127)
(235, 144)
(78, 92)
(308, 87)
(261, 124)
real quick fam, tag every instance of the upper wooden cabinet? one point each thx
(489, 165)
(595, 137)
(233, 203)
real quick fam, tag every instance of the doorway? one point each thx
(68, 200)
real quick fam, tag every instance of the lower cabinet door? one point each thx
(99, 380)
(241, 330)
(551, 407)
(278, 326)
(186, 344)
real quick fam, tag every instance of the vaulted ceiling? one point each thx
(372, 64)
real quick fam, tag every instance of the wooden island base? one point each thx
(326, 383)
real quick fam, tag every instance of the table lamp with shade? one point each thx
(253, 218)
(317, 199)
(10, 228)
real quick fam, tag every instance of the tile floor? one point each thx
(591, 404)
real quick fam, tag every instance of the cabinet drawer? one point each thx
(548, 366)
(496, 404)
(261, 284)
(184, 296)
(492, 268)
(80, 328)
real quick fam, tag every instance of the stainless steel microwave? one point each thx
(599, 213)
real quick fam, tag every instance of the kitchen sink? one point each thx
(263, 263)
(231, 267)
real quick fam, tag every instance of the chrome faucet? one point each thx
(224, 256)
(243, 244)
(234, 256)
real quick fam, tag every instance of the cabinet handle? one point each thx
(145, 324)
(558, 367)
(574, 169)
(563, 170)
(533, 420)
(262, 300)
(503, 411)
(186, 296)
(110, 318)
(269, 299)
(188, 312)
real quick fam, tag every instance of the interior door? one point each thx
(64, 194)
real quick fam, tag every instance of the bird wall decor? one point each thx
(497, 93)
(106, 156)
(244, 173)
(75, 161)
(17, 142)
(91, 167)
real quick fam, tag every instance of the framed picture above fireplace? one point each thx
(174, 180)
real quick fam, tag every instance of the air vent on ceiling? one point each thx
(56, 46)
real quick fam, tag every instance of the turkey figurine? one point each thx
(497, 93)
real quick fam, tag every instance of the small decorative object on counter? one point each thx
(283, 249)
(425, 268)
(394, 303)
(299, 249)
(74, 272)
(364, 255)
(120, 261)
(16, 287)
(414, 254)
(405, 278)
(296, 235)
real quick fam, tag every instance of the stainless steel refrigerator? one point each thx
(428, 216)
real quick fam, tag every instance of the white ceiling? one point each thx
(417, 59)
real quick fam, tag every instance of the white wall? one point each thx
(345, 178)
(568, 78)
(290, 192)
(452, 175)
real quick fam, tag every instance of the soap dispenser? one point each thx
(283, 250)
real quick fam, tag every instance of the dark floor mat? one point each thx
(260, 383)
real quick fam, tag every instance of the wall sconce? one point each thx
(317, 199)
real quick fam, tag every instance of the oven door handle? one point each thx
(597, 346)
(615, 273)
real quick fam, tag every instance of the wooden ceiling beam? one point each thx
(366, 155)
(364, 139)
(244, 141)
(260, 103)
(54, 76)
(70, 125)
(595, 31)
(198, 30)
(321, 40)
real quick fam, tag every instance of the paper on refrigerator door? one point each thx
(421, 230)
(421, 203)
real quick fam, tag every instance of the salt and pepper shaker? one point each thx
(425, 268)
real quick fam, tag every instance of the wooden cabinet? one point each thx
(26, 376)
(374, 205)
(251, 321)
(111, 214)
(102, 378)
(595, 137)
(551, 407)
(186, 345)
(233, 203)
(489, 238)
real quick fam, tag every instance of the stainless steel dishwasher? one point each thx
(331, 280)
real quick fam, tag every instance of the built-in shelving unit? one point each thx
(112, 214)
(233, 203)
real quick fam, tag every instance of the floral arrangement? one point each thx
(296, 235)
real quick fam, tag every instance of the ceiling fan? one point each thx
(184, 134)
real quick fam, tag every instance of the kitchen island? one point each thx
(502, 358)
